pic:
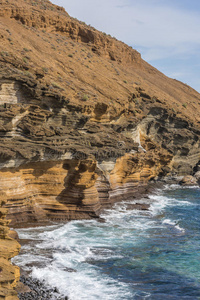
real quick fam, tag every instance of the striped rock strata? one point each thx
(9, 274)
(76, 189)
(83, 124)
(87, 122)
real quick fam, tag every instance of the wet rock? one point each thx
(188, 181)
(36, 290)
(197, 176)
(198, 168)
(138, 206)
(13, 235)
(70, 270)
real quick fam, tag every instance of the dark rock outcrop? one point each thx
(83, 124)
(86, 123)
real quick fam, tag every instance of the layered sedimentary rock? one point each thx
(9, 274)
(76, 189)
(87, 122)
(83, 124)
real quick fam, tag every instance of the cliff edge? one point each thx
(9, 274)
(84, 122)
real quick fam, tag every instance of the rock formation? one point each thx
(84, 122)
(9, 274)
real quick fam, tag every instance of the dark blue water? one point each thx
(133, 255)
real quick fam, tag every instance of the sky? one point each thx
(165, 32)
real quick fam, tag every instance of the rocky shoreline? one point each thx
(34, 289)
(30, 288)
(37, 290)
(74, 140)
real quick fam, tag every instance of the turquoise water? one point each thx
(132, 255)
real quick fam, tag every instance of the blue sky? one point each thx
(165, 32)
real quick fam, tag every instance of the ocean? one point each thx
(152, 254)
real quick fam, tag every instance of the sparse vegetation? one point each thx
(84, 97)
(27, 73)
(136, 100)
(25, 60)
(45, 70)
(55, 85)
(4, 53)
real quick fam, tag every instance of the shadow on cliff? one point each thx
(80, 196)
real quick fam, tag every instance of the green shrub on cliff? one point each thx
(84, 97)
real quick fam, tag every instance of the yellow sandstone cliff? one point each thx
(84, 122)
(9, 274)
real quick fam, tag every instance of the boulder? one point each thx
(197, 176)
(188, 181)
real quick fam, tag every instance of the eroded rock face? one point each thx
(46, 19)
(9, 274)
(63, 162)
(83, 124)
(76, 189)
(188, 181)
(177, 135)
(11, 92)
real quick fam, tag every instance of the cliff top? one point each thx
(40, 41)
(77, 89)
(83, 120)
